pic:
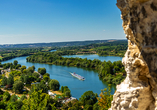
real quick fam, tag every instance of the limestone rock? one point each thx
(139, 89)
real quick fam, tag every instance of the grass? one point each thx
(57, 92)
(1, 57)
(7, 74)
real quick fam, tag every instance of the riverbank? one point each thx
(95, 56)
(20, 84)
(113, 73)
(61, 73)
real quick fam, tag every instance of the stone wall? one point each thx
(139, 89)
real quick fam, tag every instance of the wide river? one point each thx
(95, 56)
(61, 73)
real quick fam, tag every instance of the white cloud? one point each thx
(104, 30)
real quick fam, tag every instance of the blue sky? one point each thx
(34, 21)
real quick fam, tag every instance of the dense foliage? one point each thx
(26, 81)
(88, 98)
(9, 53)
(66, 91)
(34, 86)
(112, 48)
(54, 84)
(18, 87)
(42, 71)
(104, 101)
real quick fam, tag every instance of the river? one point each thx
(61, 73)
(95, 56)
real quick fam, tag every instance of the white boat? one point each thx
(77, 76)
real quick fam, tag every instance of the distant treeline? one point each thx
(114, 48)
(55, 44)
(9, 53)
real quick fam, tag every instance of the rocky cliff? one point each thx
(139, 89)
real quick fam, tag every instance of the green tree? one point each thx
(10, 80)
(96, 106)
(42, 71)
(15, 73)
(67, 93)
(18, 86)
(54, 84)
(88, 107)
(6, 96)
(36, 75)
(41, 86)
(23, 97)
(30, 69)
(26, 79)
(14, 105)
(22, 77)
(66, 89)
(15, 62)
(38, 101)
(33, 67)
(17, 66)
(89, 98)
(62, 89)
(4, 81)
(13, 98)
(22, 68)
(46, 78)
(76, 106)
(3, 105)
(47, 74)
(24, 71)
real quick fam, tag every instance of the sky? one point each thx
(39, 21)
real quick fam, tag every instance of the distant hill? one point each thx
(57, 44)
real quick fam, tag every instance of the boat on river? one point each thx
(77, 76)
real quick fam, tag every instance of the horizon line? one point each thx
(58, 42)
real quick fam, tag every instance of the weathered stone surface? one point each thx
(139, 89)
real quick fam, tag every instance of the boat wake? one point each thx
(77, 76)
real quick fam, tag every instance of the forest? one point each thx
(114, 48)
(9, 53)
(56, 44)
(24, 88)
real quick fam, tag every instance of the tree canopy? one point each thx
(10, 80)
(88, 98)
(15, 62)
(54, 84)
(18, 86)
(4, 81)
(42, 71)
